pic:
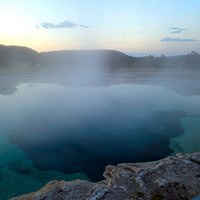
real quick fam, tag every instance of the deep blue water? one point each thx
(89, 146)
(77, 131)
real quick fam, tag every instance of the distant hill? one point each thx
(17, 54)
(111, 60)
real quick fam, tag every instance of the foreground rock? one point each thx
(173, 178)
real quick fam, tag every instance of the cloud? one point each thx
(64, 24)
(84, 26)
(169, 39)
(177, 29)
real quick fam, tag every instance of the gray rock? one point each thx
(172, 178)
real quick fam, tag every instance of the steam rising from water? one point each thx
(76, 68)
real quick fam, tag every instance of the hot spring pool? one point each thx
(50, 131)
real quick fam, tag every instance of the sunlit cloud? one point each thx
(61, 25)
(169, 39)
(64, 24)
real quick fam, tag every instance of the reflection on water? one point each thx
(82, 129)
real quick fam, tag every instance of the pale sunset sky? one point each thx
(168, 27)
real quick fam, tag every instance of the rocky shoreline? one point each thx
(172, 178)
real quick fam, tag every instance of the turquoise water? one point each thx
(54, 132)
(196, 198)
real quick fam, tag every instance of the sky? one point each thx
(136, 26)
